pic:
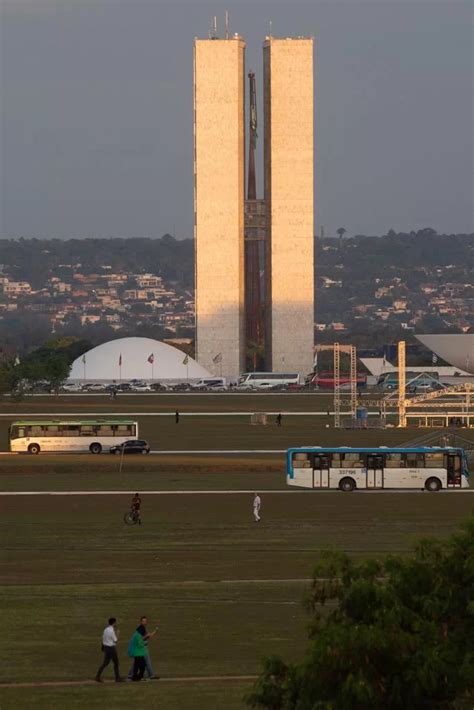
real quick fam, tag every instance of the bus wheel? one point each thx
(34, 448)
(347, 485)
(95, 448)
(433, 484)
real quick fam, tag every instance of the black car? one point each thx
(133, 446)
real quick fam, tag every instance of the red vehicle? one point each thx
(325, 380)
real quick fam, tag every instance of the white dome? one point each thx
(129, 359)
(457, 349)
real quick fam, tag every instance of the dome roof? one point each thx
(129, 359)
(457, 349)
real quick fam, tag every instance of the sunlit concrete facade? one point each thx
(219, 203)
(288, 161)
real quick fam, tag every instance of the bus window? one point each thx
(36, 430)
(70, 430)
(394, 461)
(301, 461)
(353, 460)
(17, 432)
(434, 460)
(51, 430)
(414, 460)
(105, 430)
(87, 430)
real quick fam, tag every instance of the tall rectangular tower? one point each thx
(219, 187)
(288, 178)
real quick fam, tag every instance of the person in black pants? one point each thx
(109, 639)
(139, 667)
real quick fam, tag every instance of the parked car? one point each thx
(181, 387)
(142, 388)
(71, 387)
(420, 387)
(93, 387)
(159, 387)
(217, 384)
(132, 446)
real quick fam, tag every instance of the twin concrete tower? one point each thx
(254, 257)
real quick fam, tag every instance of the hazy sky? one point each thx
(96, 112)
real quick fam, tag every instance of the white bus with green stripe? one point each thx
(76, 436)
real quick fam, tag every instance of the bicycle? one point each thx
(132, 517)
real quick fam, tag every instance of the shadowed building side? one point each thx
(219, 203)
(288, 161)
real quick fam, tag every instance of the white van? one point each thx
(217, 384)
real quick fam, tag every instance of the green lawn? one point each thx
(226, 695)
(223, 590)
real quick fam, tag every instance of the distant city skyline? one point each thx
(96, 117)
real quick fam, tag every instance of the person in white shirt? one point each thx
(256, 507)
(109, 641)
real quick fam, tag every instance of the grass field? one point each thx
(223, 590)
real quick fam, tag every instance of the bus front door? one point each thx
(454, 470)
(321, 471)
(374, 471)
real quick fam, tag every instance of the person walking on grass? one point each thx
(147, 635)
(137, 651)
(256, 507)
(109, 641)
(176, 417)
(278, 419)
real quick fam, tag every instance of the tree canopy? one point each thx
(51, 364)
(395, 634)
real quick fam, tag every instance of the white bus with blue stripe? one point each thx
(346, 468)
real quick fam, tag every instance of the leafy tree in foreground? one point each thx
(396, 634)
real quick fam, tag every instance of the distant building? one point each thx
(287, 215)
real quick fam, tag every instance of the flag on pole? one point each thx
(434, 359)
(83, 359)
(315, 361)
(217, 359)
(186, 360)
(151, 358)
(120, 360)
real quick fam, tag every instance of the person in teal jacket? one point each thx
(137, 650)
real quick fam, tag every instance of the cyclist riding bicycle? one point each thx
(135, 507)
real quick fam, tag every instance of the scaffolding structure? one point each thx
(402, 382)
(352, 351)
(337, 385)
(437, 408)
